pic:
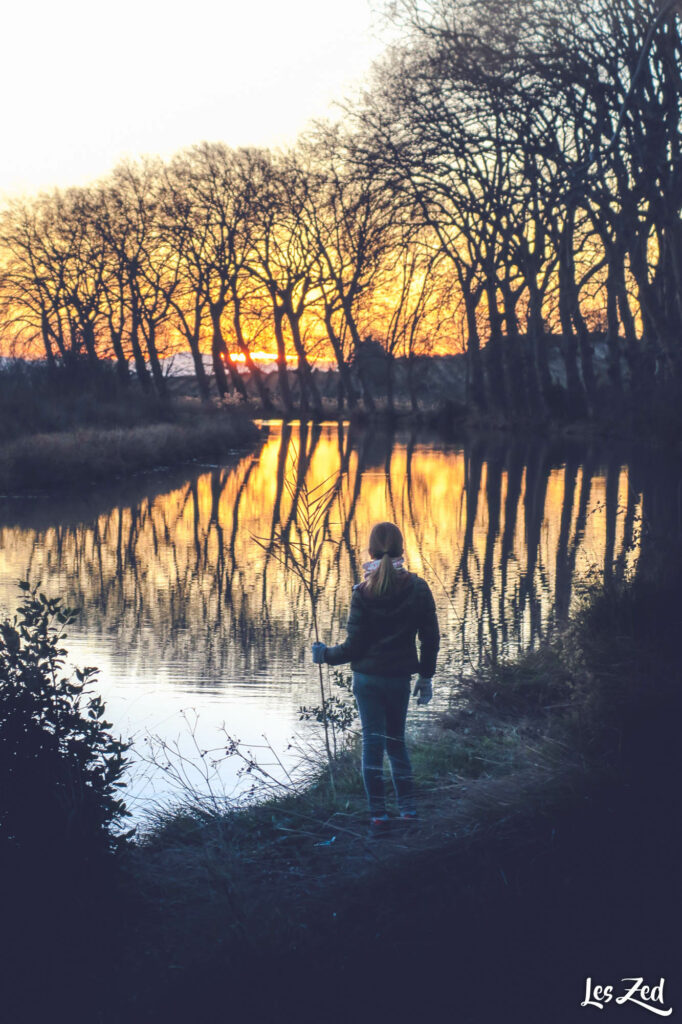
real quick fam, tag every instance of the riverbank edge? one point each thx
(661, 430)
(656, 425)
(284, 889)
(83, 456)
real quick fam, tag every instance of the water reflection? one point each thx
(176, 594)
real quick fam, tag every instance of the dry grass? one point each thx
(206, 881)
(526, 805)
(522, 750)
(85, 455)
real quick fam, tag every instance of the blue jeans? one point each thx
(382, 702)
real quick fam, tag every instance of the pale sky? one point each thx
(86, 83)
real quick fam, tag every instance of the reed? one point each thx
(298, 546)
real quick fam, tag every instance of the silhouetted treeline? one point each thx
(540, 141)
(229, 252)
(511, 181)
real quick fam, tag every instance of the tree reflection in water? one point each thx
(503, 529)
(180, 607)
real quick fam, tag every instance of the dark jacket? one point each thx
(382, 631)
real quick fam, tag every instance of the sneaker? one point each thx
(379, 825)
(409, 820)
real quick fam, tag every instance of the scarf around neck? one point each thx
(373, 565)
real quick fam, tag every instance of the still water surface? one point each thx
(183, 611)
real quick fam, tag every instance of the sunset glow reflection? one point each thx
(180, 603)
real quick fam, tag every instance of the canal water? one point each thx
(201, 630)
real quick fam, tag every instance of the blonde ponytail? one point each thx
(385, 544)
(382, 581)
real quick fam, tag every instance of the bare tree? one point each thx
(31, 293)
(541, 141)
(215, 190)
(350, 217)
(281, 259)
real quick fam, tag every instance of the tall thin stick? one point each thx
(309, 511)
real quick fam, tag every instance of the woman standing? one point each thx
(388, 611)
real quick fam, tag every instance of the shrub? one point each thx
(60, 765)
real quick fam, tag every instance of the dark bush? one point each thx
(60, 765)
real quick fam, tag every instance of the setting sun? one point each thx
(258, 356)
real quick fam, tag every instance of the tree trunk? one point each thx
(344, 372)
(221, 356)
(670, 290)
(157, 373)
(414, 401)
(254, 370)
(308, 385)
(542, 379)
(494, 351)
(121, 361)
(476, 381)
(524, 396)
(648, 347)
(586, 358)
(89, 341)
(282, 369)
(632, 347)
(140, 364)
(340, 396)
(367, 397)
(199, 369)
(389, 383)
(574, 387)
(221, 381)
(612, 332)
(47, 344)
(674, 236)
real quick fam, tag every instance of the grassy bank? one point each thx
(82, 424)
(547, 852)
(84, 455)
(543, 795)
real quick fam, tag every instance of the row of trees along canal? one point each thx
(511, 180)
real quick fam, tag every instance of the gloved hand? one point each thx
(318, 652)
(423, 691)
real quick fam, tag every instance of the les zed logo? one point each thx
(638, 993)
